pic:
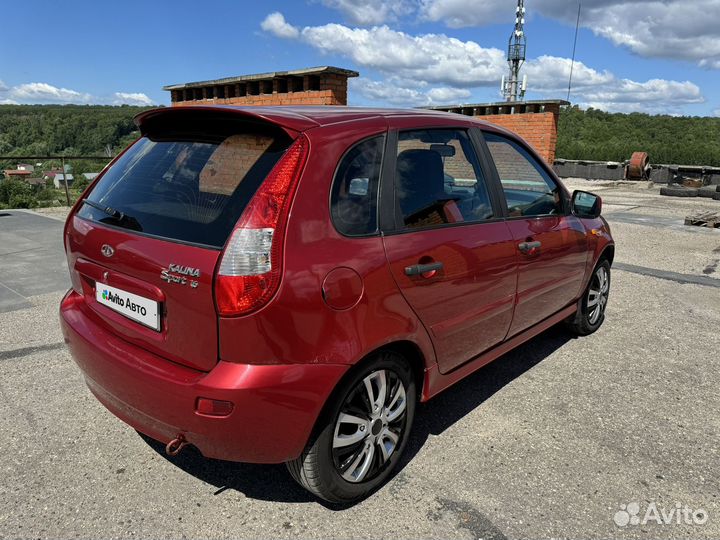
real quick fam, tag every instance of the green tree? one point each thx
(595, 135)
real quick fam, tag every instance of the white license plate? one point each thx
(132, 306)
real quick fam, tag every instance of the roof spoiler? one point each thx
(291, 122)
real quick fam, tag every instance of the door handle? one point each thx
(426, 270)
(529, 247)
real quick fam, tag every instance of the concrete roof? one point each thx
(560, 102)
(265, 76)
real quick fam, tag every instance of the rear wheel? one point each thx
(592, 308)
(363, 434)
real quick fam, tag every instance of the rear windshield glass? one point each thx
(188, 188)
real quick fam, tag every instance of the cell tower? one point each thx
(513, 88)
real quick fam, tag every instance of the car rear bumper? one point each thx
(275, 406)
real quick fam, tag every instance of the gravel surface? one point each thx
(552, 440)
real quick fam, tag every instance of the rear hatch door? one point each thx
(143, 246)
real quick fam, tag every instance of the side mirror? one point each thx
(586, 205)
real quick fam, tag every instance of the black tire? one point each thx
(716, 197)
(586, 320)
(329, 461)
(679, 191)
(707, 191)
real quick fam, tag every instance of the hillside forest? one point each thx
(90, 130)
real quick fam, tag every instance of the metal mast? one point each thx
(513, 88)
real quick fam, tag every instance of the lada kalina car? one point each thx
(286, 284)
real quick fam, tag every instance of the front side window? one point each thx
(353, 204)
(438, 180)
(528, 189)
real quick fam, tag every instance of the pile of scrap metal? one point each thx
(693, 181)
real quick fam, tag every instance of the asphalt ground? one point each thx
(560, 438)
(31, 258)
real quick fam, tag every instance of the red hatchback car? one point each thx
(285, 284)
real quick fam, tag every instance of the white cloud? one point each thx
(37, 93)
(551, 74)
(460, 13)
(46, 93)
(275, 24)
(433, 58)
(393, 91)
(441, 95)
(678, 29)
(3, 100)
(656, 96)
(371, 12)
(716, 112)
(434, 69)
(132, 98)
(548, 75)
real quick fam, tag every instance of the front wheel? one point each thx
(592, 308)
(363, 433)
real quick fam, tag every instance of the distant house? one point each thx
(17, 174)
(25, 167)
(58, 181)
(35, 181)
(90, 176)
(49, 175)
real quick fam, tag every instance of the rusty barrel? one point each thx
(639, 166)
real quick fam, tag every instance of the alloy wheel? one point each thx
(598, 295)
(370, 426)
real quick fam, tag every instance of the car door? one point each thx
(450, 252)
(551, 243)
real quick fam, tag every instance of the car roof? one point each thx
(301, 118)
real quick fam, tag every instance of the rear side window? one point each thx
(353, 204)
(438, 180)
(528, 189)
(188, 188)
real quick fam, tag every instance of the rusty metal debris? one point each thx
(692, 182)
(704, 219)
(639, 167)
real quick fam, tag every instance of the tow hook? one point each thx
(175, 446)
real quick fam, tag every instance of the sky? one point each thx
(653, 56)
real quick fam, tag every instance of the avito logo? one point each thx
(114, 298)
(631, 514)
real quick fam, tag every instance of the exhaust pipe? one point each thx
(175, 446)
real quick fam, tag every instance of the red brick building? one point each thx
(534, 121)
(312, 86)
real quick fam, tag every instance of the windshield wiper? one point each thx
(117, 214)
(123, 220)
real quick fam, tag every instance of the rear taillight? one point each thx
(251, 266)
